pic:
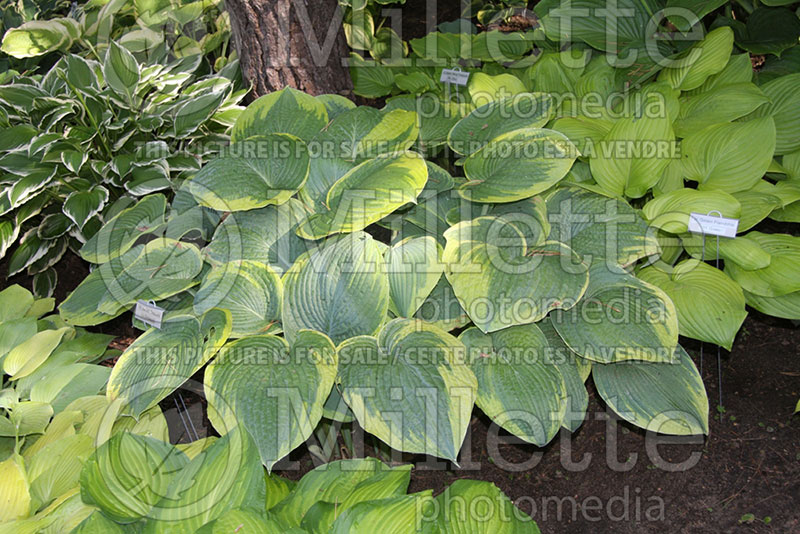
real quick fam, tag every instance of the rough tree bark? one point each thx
(299, 43)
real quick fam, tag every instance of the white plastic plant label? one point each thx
(713, 225)
(456, 77)
(148, 313)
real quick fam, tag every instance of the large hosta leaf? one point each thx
(784, 109)
(503, 279)
(274, 392)
(599, 227)
(119, 233)
(435, 117)
(252, 173)
(394, 515)
(703, 59)
(265, 235)
(250, 290)
(667, 397)
(710, 305)
(286, 111)
(517, 165)
(722, 104)
(527, 110)
(786, 306)
(410, 387)
(671, 211)
(414, 267)
(160, 360)
(731, 156)
(339, 289)
(322, 174)
(619, 318)
(780, 276)
(366, 132)
(367, 193)
(517, 387)
(492, 512)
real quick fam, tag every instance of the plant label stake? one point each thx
(455, 76)
(713, 223)
(148, 313)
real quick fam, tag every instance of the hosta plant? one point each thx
(84, 141)
(297, 313)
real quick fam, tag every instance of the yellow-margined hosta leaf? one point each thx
(517, 165)
(410, 387)
(339, 289)
(518, 388)
(414, 267)
(710, 305)
(619, 318)
(273, 391)
(286, 111)
(666, 397)
(502, 279)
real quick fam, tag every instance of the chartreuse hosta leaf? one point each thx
(251, 291)
(118, 234)
(367, 193)
(743, 251)
(631, 158)
(667, 397)
(265, 235)
(484, 88)
(503, 279)
(517, 387)
(786, 306)
(723, 104)
(410, 387)
(784, 108)
(710, 305)
(599, 227)
(526, 110)
(517, 165)
(243, 521)
(128, 474)
(480, 507)
(619, 318)
(780, 276)
(286, 111)
(55, 469)
(226, 476)
(393, 515)
(435, 117)
(731, 156)
(24, 358)
(671, 211)
(339, 289)
(365, 133)
(160, 360)
(414, 267)
(703, 59)
(15, 497)
(273, 391)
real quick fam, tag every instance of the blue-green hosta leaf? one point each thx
(730, 157)
(558, 73)
(710, 305)
(785, 306)
(335, 104)
(277, 395)
(367, 193)
(517, 387)
(435, 117)
(780, 276)
(121, 71)
(619, 318)
(394, 515)
(484, 88)
(286, 111)
(784, 108)
(251, 291)
(501, 279)
(160, 360)
(526, 110)
(226, 476)
(671, 211)
(442, 308)
(595, 227)
(410, 387)
(632, 156)
(80, 206)
(703, 59)
(338, 482)
(767, 30)
(698, 8)
(119, 233)
(667, 397)
(252, 173)
(414, 267)
(365, 133)
(480, 507)
(339, 289)
(265, 235)
(322, 174)
(723, 104)
(517, 165)
(128, 474)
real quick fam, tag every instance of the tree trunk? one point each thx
(299, 43)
